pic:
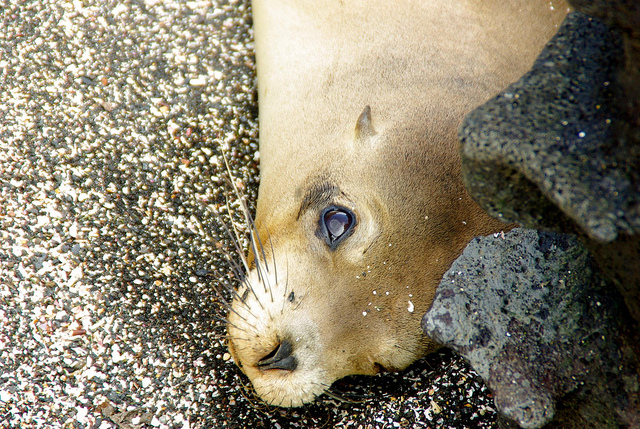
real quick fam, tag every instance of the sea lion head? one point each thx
(346, 261)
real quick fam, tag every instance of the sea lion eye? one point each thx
(337, 224)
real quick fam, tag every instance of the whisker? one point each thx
(237, 271)
(286, 283)
(235, 267)
(248, 329)
(219, 337)
(343, 398)
(258, 262)
(258, 250)
(228, 338)
(273, 257)
(230, 308)
(264, 257)
(231, 289)
(351, 397)
(255, 241)
(286, 289)
(250, 225)
(255, 400)
(235, 237)
(300, 302)
(222, 278)
(245, 281)
(228, 323)
(225, 320)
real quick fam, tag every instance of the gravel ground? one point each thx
(113, 120)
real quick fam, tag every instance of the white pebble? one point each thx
(199, 81)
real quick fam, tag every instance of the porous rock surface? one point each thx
(535, 318)
(560, 150)
(557, 149)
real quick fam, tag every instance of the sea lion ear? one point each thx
(364, 127)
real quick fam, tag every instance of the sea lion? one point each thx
(361, 207)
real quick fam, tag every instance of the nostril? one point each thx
(279, 358)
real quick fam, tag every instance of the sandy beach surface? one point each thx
(114, 116)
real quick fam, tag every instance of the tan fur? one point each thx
(421, 66)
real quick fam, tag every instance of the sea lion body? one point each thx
(361, 210)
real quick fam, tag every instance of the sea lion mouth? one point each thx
(280, 357)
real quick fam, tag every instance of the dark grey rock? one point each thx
(625, 16)
(560, 148)
(535, 318)
(550, 136)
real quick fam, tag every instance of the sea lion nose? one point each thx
(279, 358)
